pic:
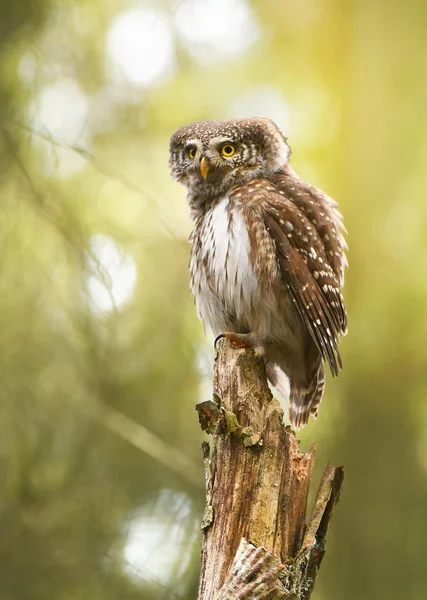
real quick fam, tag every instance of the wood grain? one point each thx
(257, 484)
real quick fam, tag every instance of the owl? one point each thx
(267, 254)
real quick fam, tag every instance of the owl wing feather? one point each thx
(322, 212)
(307, 274)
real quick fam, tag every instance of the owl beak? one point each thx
(204, 167)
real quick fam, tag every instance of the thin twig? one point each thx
(146, 441)
(101, 168)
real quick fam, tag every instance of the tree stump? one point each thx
(256, 544)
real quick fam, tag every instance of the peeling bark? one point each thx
(256, 543)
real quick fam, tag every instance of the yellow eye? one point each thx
(192, 152)
(228, 150)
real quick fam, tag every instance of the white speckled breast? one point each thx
(222, 278)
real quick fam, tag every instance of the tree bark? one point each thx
(256, 543)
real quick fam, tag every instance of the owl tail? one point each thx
(305, 402)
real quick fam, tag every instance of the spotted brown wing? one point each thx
(308, 275)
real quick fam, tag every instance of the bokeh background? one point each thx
(102, 358)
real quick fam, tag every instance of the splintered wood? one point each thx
(256, 543)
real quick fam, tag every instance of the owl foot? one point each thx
(242, 340)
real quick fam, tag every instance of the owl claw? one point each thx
(239, 340)
(218, 337)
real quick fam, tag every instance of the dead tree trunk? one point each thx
(256, 544)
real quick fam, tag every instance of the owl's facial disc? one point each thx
(211, 156)
(218, 158)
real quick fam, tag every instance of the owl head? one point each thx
(211, 156)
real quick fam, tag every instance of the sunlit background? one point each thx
(102, 358)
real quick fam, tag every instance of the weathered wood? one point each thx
(257, 484)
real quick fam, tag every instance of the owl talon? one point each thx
(239, 340)
(218, 337)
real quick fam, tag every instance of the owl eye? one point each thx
(228, 150)
(191, 151)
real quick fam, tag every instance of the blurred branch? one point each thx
(256, 543)
(135, 434)
(144, 440)
(64, 222)
(101, 168)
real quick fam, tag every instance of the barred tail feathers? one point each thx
(305, 402)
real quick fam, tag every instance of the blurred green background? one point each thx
(102, 358)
